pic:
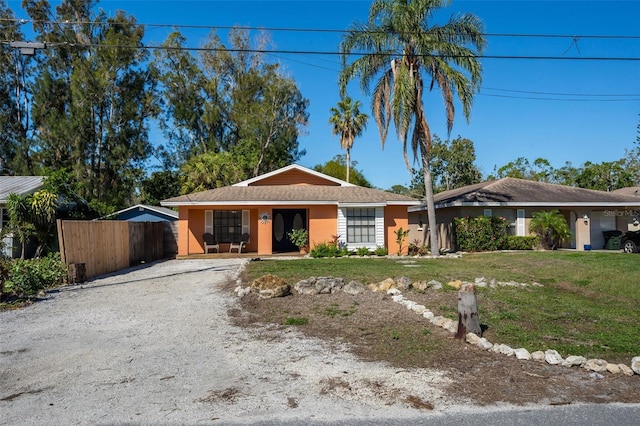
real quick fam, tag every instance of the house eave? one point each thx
(527, 204)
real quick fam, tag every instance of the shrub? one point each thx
(381, 251)
(362, 251)
(28, 277)
(325, 250)
(480, 233)
(551, 226)
(522, 243)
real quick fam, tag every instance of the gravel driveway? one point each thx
(154, 345)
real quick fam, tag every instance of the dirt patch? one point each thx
(375, 328)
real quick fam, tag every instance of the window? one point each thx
(361, 225)
(228, 225)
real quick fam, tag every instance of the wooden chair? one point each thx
(210, 243)
(239, 246)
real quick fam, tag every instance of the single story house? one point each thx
(21, 185)
(268, 207)
(144, 213)
(589, 213)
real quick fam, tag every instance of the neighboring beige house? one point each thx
(588, 212)
(21, 185)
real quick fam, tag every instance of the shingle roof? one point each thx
(632, 190)
(291, 194)
(507, 191)
(19, 185)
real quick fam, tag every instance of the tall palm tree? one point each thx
(348, 122)
(403, 50)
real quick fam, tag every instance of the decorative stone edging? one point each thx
(325, 285)
(549, 356)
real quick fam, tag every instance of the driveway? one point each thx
(155, 345)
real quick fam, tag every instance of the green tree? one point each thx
(453, 164)
(348, 122)
(210, 170)
(92, 98)
(33, 216)
(229, 99)
(337, 167)
(540, 170)
(16, 149)
(159, 186)
(551, 226)
(404, 50)
(606, 176)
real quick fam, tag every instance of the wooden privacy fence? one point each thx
(109, 245)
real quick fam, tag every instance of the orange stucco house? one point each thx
(269, 206)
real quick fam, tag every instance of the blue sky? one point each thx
(526, 108)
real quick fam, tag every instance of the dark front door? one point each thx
(284, 221)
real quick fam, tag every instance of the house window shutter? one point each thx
(246, 219)
(520, 231)
(208, 221)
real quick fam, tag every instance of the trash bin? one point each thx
(612, 239)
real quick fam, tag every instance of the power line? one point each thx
(310, 30)
(336, 53)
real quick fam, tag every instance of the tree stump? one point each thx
(468, 321)
(77, 273)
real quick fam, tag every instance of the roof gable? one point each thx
(21, 185)
(162, 211)
(293, 174)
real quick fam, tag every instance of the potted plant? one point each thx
(300, 238)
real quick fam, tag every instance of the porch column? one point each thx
(583, 230)
(265, 230)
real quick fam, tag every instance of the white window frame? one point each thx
(209, 222)
(488, 213)
(378, 223)
(520, 223)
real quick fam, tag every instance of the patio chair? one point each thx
(210, 243)
(239, 246)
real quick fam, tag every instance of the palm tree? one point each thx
(348, 122)
(400, 51)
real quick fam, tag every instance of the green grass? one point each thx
(296, 321)
(587, 306)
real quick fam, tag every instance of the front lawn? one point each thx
(588, 304)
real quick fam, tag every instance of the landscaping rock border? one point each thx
(327, 285)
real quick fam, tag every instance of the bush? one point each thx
(381, 251)
(522, 243)
(362, 251)
(480, 233)
(326, 250)
(28, 277)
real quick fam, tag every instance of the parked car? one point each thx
(630, 241)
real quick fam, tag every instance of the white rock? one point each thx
(573, 361)
(552, 357)
(597, 365)
(624, 369)
(397, 298)
(613, 368)
(537, 356)
(419, 309)
(485, 344)
(505, 350)
(522, 353)
(394, 291)
(428, 314)
(438, 320)
(472, 338)
(446, 323)
(436, 285)
(452, 327)
(635, 364)
(595, 375)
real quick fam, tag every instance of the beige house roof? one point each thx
(20, 185)
(632, 190)
(324, 190)
(521, 192)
